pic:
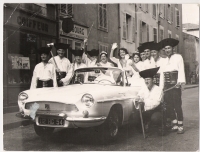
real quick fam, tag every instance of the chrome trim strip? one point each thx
(81, 119)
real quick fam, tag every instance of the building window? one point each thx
(162, 10)
(38, 8)
(144, 7)
(66, 9)
(103, 47)
(169, 34)
(155, 35)
(177, 19)
(144, 32)
(68, 53)
(161, 33)
(127, 27)
(102, 17)
(154, 11)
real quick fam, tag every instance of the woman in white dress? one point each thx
(123, 62)
(104, 60)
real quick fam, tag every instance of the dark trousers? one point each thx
(174, 103)
(154, 117)
(59, 76)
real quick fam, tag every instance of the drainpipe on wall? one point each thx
(136, 27)
(119, 10)
(58, 21)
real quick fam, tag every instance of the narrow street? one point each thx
(24, 138)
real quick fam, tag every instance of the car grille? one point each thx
(46, 105)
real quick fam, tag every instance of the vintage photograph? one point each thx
(100, 77)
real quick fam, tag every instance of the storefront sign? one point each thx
(34, 23)
(77, 32)
(25, 21)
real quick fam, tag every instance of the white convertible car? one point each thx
(97, 96)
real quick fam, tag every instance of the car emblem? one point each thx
(47, 106)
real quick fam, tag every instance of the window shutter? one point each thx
(63, 8)
(133, 30)
(172, 14)
(178, 18)
(104, 16)
(69, 9)
(147, 32)
(155, 34)
(147, 8)
(141, 31)
(124, 26)
(154, 10)
(100, 15)
(161, 34)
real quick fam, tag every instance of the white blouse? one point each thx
(43, 72)
(152, 98)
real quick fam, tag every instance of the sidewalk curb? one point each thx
(17, 124)
(190, 87)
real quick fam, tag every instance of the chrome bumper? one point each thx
(81, 119)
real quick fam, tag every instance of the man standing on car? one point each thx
(62, 64)
(44, 74)
(150, 97)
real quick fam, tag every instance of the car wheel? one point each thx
(43, 131)
(111, 126)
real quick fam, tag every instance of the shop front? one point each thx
(23, 37)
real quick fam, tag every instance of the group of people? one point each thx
(141, 69)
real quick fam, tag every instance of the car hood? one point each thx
(73, 93)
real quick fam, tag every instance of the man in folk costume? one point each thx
(78, 64)
(145, 47)
(44, 74)
(150, 97)
(157, 61)
(89, 57)
(174, 76)
(62, 64)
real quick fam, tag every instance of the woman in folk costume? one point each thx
(137, 65)
(174, 69)
(62, 64)
(104, 60)
(44, 74)
(78, 64)
(123, 62)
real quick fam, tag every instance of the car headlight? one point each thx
(88, 100)
(22, 96)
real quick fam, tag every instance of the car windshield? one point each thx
(98, 75)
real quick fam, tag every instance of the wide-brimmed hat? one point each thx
(45, 50)
(156, 46)
(149, 73)
(61, 46)
(169, 42)
(77, 52)
(145, 46)
(93, 52)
